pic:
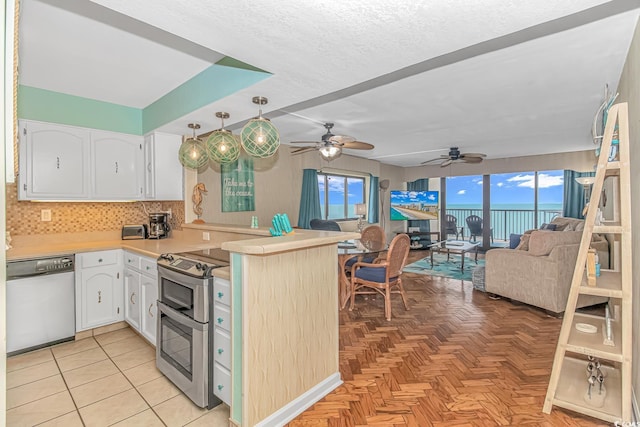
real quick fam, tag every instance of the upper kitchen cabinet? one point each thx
(54, 162)
(116, 166)
(163, 175)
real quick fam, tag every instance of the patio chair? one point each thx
(451, 226)
(384, 277)
(474, 223)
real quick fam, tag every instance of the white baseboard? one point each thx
(294, 408)
(635, 406)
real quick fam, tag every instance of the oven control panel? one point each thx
(192, 267)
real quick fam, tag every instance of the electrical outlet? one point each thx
(45, 215)
(169, 212)
(205, 235)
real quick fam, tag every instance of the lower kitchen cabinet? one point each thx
(222, 339)
(99, 289)
(141, 294)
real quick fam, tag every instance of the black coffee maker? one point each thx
(159, 225)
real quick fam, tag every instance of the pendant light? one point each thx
(192, 152)
(259, 137)
(222, 145)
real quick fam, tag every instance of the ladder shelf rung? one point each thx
(613, 167)
(608, 284)
(608, 227)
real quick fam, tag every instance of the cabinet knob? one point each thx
(220, 387)
(132, 298)
(148, 267)
(99, 297)
(220, 294)
(150, 307)
(100, 260)
(220, 320)
(220, 351)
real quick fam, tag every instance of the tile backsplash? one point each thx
(23, 217)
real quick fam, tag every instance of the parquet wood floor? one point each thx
(456, 358)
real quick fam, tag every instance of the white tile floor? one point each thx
(108, 379)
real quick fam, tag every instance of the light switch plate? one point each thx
(45, 215)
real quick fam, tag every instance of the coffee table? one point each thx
(454, 247)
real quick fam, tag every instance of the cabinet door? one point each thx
(117, 165)
(148, 307)
(101, 296)
(132, 298)
(163, 171)
(54, 161)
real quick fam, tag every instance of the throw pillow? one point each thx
(541, 242)
(579, 226)
(514, 240)
(524, 243)
(550, 227)
(570, 227)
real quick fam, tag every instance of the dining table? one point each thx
(347, 250)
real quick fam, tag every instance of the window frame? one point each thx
(325, 203)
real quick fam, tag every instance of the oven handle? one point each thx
(181, 318)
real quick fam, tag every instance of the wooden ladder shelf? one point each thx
(578, 352)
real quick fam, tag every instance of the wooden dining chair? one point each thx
(383, 276)
(372, 236)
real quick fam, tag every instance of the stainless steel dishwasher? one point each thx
(40, 302)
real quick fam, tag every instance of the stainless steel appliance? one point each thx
(137, 231)
(185, 339)
(40, 302)
(159, 225)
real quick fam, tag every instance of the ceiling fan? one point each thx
(455, 156)
(330, 146)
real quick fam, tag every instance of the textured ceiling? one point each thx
(496, 76)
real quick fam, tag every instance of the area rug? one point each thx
(444, 268)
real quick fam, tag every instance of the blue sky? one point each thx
(508, 188)
(427, 197)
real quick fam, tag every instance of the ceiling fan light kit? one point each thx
(222, 145)
(192, 152)
(259, 137)
(330, 152)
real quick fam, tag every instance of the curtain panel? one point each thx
(374, 199)
(309, 198)
(573, 202)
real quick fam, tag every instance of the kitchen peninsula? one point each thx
(284, 309)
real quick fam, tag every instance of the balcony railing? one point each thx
(506, 221)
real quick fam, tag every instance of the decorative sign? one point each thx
(238, 191)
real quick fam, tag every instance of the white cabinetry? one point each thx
(99, 292)
(163, 174)
(141, 294)
(54, 162)
(222, 339)
(116, 165)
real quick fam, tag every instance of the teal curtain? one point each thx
(419, 185)
(573, 202)
(309, 198)
(374, 200)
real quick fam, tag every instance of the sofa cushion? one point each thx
(542, 242)
(580, 226)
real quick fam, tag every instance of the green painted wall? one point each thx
(47, 106)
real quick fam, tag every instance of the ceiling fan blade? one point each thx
(302, 150)
(473, 155)
(304, 142)
(442, 157)
(357, 145)
(341, 139)
(446, 163)
(471, 159)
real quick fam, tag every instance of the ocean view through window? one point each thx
(339, 195)
(518, 201)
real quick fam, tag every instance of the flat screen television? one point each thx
(413, 205)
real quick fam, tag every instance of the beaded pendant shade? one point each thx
(192, 153)
(222, 145)
(259, 137)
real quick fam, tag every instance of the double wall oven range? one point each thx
(185, 333)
